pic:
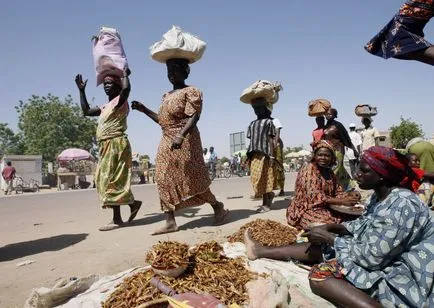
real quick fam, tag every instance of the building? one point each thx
(237, 142)
(29, 167)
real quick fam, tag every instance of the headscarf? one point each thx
(413, 142)
(114, 79)
(388, 163)
(324, 144)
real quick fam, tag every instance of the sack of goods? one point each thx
(108, 54)
(318, 107)
(262, 88)
(177, 44)
(365, 111)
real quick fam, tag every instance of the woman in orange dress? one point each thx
(315, 188)
(181, 175)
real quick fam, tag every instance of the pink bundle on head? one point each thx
(115, 79)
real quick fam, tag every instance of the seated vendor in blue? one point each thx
(385, 258)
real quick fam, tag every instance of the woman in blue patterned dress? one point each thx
(385, 258)
(403, 36)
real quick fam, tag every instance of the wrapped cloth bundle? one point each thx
(108, 54)
(177, 44)
(365, 111)
(318, 107)
(262, 88)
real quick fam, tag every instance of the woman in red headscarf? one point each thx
(381, 259)
(315, 188)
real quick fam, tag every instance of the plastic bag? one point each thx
(108, 54)
(365, 110)
(177, 44)
(318, 107)
(262, 88)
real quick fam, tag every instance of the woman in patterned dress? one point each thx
(315, 188)
(403, 36)
(382, 259)
(337, 135)
(181, 175)
(113, 174)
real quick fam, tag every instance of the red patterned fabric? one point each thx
(387, 162)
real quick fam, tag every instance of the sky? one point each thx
(314, 48)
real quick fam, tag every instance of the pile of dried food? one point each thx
(209, 272)
(267, 232)
(167, 255)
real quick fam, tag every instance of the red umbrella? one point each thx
(74, 154)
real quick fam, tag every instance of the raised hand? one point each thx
(81, 85)
(135, 105)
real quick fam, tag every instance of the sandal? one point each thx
(263, 209)
(110, 227)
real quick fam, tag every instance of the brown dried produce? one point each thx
(167, 255)
(224, 279)
(267, 232)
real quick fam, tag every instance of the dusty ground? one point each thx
(58, 231)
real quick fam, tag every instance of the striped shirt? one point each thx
(259, 133)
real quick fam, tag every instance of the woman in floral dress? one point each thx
(181, 175)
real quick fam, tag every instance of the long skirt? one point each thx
(262, 174)
(340, 171)
(113, 174)
(279, 170)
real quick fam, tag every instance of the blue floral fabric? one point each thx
(390, 254)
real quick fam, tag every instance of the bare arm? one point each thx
(135, 105)
(87, 111)
(126, 88)
(189, 125)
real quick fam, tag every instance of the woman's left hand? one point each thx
(177, 143)
(319, 236)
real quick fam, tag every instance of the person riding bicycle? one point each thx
(210, 158)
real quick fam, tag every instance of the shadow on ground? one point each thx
(54, 243)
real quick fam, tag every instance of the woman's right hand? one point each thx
(135, 105)
(81, 85)
(350, 200)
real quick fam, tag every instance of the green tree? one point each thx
(49, 125)
(9, 141)
(402, 133)
(224, 159)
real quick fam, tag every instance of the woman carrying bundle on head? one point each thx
(181, 175)
(263, 136)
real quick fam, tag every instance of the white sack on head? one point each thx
(108, 54)
(177, 44)
(262, 88)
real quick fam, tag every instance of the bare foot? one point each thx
(168, 228)
(134, 208)
(220, 213)
(112, 225)
(252, 246)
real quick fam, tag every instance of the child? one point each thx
(420, 182)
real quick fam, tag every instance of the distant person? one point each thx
(113, 174)
(424, 151)
(370, 135)
(278, 166)
(338, 137)
(205, 156)
(8, 175)
(262, 134)
(357, 142)
(318, 132)
(403, 37)
(212, 160)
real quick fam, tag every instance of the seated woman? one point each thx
(316, 187)
(383, 258)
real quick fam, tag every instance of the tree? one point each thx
(9, 141)
(224, 159)
(48, 126)
(401, 134)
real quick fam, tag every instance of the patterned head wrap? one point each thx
(323, 144)
(388, 163)
(114, 79)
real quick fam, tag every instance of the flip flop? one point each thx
(110, 227)
(133, 214)
(165, 232)
(222, 220)
(263, 209)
